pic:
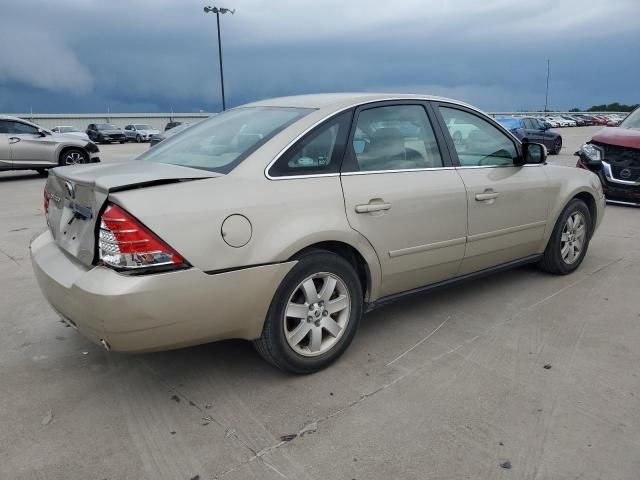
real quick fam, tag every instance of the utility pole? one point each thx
(546, 97)
(218, 11)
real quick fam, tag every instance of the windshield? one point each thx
(106, 126)
(633, 120)
(223, 141)
(509, 123)
(142, 126)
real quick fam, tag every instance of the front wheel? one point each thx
(314, 314)
(569, 240)
(73, 156)
(138, 138)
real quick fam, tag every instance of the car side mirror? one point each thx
(42, 132)
(534, 153)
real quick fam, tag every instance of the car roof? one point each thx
(10, 117)
(336, 101)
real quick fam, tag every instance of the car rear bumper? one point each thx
(154, 312)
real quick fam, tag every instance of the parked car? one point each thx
(614, 155)
(572, 122)
(530, 129)
(140, 132)
(551, 121)
(580, 122)
(105, 133)
(558, 121)
(171, 125)
(159, 137)
(269, 223)
(70, 130)
(26, 146)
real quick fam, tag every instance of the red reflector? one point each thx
(46, 201)
(125, 243)
(580, 164)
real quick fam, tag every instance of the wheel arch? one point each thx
(65, 148)
(590, 201)
(368, 271)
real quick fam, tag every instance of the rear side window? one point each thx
(396, 137)
(319, 152)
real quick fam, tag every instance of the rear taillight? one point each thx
(46, 201)
(124, 243)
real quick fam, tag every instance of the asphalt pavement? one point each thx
(521, 375)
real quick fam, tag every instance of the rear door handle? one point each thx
(487, 195)
(372, 207)
(14, 139)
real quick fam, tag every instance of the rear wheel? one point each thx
(557, 146)
(569, 240)
(73, 156)
(314, 314)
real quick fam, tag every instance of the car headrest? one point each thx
(387, 141)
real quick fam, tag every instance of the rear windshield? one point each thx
(221, 142)
(106, 126)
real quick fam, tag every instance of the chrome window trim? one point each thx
(377, 172)
(500, 166)
(336, 112)
(608, 173)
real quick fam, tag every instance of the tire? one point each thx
(122, 142)
(43, 172)
(73, 156)
(290, 342)
(138, 138)
(554, 260)
(557, 146)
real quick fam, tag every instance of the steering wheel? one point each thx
(489, 159)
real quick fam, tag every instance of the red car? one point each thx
(614, 155)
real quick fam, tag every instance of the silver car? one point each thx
(140, 132)
(283, 221)
(25, 145)
(70, 130)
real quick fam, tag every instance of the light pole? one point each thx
(218, 11)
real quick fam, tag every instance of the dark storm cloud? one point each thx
(158, 55)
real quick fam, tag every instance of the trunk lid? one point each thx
(78, 193)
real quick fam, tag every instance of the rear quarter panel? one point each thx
(286, 216)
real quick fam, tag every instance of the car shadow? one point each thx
(21, 176)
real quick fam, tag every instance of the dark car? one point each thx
(614, 155)
(105, 133)
(159, 137)
(171, 125)
(530, 129)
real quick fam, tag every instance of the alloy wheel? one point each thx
(73, 158)
(574, 234)
(316, 314)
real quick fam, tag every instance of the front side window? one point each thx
(397, 137)
(319, 152)
(221, 142)
(482, 143)
(22, 128)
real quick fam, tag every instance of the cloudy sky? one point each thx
(157, 55)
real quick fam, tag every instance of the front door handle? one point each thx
(487, 196)
(14, 139)
(372, 207)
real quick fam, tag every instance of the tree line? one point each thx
(609, 107)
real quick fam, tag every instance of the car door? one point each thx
(402, 193)
(532, 132)
(29, 146)
(5, 148)
(507, 202)
(129, 131)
